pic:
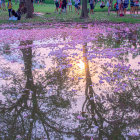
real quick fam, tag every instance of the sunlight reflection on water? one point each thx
(51, 66)
(43, 60)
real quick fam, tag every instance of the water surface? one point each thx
(78, 82)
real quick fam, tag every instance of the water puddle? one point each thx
(66, 83)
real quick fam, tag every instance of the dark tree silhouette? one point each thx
(84, 12)
(34, 108)
(110, 114)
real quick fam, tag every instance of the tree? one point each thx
(26, 6)
(24, 112)
(30, 8)
(84, 13)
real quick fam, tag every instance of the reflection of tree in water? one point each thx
(6, 49)
(133, 37)
(110, 115)
(29, 112)
(40, 109)
(121, 40)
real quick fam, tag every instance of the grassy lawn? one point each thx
(50, 16)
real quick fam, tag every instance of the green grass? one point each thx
(99, 15)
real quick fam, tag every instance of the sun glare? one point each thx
(81, 65)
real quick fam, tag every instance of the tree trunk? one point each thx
(27, 57)
(22, 7)
(30, 8)
(84, 13)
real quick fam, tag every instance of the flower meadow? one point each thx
(70, 81)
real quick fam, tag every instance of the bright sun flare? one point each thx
(81, 64)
